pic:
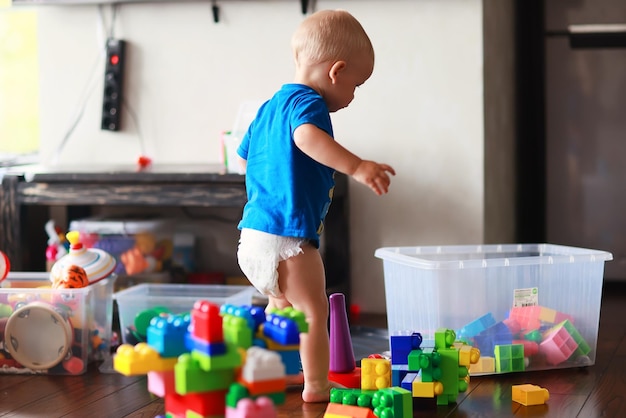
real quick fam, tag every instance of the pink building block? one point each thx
(527, 317)
(558, 346)
(262, 407)
(161, 383)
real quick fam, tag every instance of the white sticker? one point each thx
(526, 297)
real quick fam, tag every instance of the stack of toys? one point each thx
(228, 361)
(55, 324)
(530, 336)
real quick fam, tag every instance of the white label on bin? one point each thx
(526, 297)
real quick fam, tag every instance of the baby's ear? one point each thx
(335, 69)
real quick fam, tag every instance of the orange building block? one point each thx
(337, 410)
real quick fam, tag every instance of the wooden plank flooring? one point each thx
(596, 391)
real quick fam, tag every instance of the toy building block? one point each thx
(167, 334)
(450, 373)
(262, 364)
(393, 402)
(498, 334)
(558, 345)
(263, 372)
(531, 348)
(206, 404)
(398, 372)
(229, 360)
(190, 377)
(477, 326)
(243, 312)
(528, 394)
(342, 358)
(444, 338)
(291, 361)
(237, 331)
(402, 345)
(337, 410)
(210, 349)
(355, 397)
(468, 355)
(428, 361)
(419, 389)
(262, 407)
(484, 365)
(143, 318)
(160, 383)
(375, 373)
(510, 358)
(293, 314)
(140, 359)
(207, 322)
(583, 348)
(526, 316)
(281, 329)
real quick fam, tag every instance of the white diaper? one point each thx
(259, 254)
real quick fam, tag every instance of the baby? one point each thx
(291, 156)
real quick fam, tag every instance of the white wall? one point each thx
(421, 111)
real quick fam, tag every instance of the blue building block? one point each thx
(476, 326)
(210, 349)
(291, 360)
(281, 330)
(498, 334)
(167, 334)
(407, 381)
(402, 345)
(241, 312)
(398, 371)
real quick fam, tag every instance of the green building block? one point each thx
(509, 358)
(583, 348)
(190, 377)
(393, 402)
(449, 375)
(230, 360)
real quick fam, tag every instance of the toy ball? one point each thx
(71, 277)
(5, 266)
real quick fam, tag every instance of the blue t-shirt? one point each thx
(289, 193)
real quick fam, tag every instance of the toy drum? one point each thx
(38, 336)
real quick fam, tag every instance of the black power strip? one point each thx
(113, 84)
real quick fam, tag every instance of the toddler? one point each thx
(291, 156)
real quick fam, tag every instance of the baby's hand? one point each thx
(374, 175)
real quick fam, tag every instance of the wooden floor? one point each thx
(596, 391)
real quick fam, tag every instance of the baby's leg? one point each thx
(303, 283)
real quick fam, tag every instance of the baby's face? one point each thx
(356, 72)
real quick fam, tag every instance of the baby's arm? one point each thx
(320, 146)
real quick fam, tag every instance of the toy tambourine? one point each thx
(38, 336)
(97, 263)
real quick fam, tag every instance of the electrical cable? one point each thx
(90, 85)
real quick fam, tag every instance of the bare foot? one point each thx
(322, 395)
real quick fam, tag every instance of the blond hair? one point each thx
(330, 35)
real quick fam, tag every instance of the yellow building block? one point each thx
(483, 365)
(421, 389)
(468, 355)
(375, 373)
(547, 315)
(140, 359)
(528, 394)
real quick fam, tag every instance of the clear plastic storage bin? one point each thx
(543, 297)
(53, 331)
